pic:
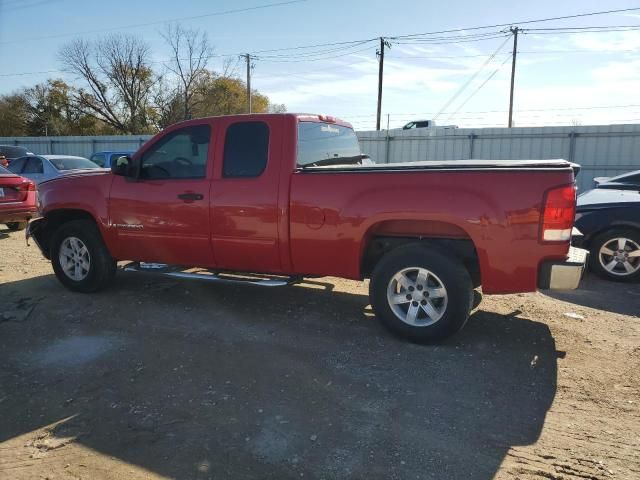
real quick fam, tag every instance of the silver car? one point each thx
(45, 167)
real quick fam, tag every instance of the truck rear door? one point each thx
(244, 194)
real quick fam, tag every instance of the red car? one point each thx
(285, 196)
(17, 200)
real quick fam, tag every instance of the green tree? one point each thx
(14, 115)
(51, 111)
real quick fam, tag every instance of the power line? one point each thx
(158, 22)
(313, 54)
(410, 38)
(479, 87)
(592, 107)
(595, 27)
(522, 22)
(471, 79)
(313, 59)
(580, 32)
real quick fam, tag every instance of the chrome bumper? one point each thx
(563, 275)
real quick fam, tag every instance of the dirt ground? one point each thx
(157, 378)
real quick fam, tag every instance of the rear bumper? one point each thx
(17, 215)
(566, 275)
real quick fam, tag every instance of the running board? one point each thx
(210, 276)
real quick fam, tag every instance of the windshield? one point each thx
(70, 163)
(4, 171)
(326, 143)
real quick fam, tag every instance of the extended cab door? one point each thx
(163, 216)
(244, 195)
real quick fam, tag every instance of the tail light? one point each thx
(27, 186)
(558, 214)
(24, 188)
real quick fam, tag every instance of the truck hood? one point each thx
(599, 198)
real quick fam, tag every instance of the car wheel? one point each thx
(420, 294)
(80, 258)
(615, 255)
(16, 226)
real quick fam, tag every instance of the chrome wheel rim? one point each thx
(417, 296)
(620, 256)
(74, 258)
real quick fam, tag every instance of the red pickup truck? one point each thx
(269, 199)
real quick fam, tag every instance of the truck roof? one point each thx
(309, 117)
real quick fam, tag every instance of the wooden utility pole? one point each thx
(383, 43)
(247, 56)
(513, 72)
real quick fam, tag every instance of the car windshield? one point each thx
(325, 144)
(13, 152)
(71, 163)
(4, 171)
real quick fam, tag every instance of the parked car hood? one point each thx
(78, 173)
(607, 198)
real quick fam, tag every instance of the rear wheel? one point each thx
(615, 255)
(15, 226)
(80, 258)
(421, 294)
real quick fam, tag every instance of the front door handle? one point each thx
(190, 197)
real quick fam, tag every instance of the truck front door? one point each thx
(163, 216)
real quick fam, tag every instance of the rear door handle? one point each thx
(190, 196)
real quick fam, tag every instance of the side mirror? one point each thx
(122, 166)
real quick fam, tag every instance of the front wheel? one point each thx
(80, 258)
(421, 294)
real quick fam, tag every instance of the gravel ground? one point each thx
(157, 378)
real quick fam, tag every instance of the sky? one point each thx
(561, 79)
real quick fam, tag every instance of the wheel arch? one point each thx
(47, 226)
(448, 238)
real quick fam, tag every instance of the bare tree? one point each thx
(118, 80)
(190, 54)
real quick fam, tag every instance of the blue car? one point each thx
(40, 168)
(106, 159)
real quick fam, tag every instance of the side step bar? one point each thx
(210, 276)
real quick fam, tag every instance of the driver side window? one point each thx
(181, 154)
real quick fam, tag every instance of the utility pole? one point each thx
(513, 71)
(247, 56)
(380, 53)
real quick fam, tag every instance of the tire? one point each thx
(16, 226)
(398, 271)
(627, 266)
(96, 266)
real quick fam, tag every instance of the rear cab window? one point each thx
(246, 150)
(322, 143)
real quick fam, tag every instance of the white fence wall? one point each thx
(80, 146)
(602, 150)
